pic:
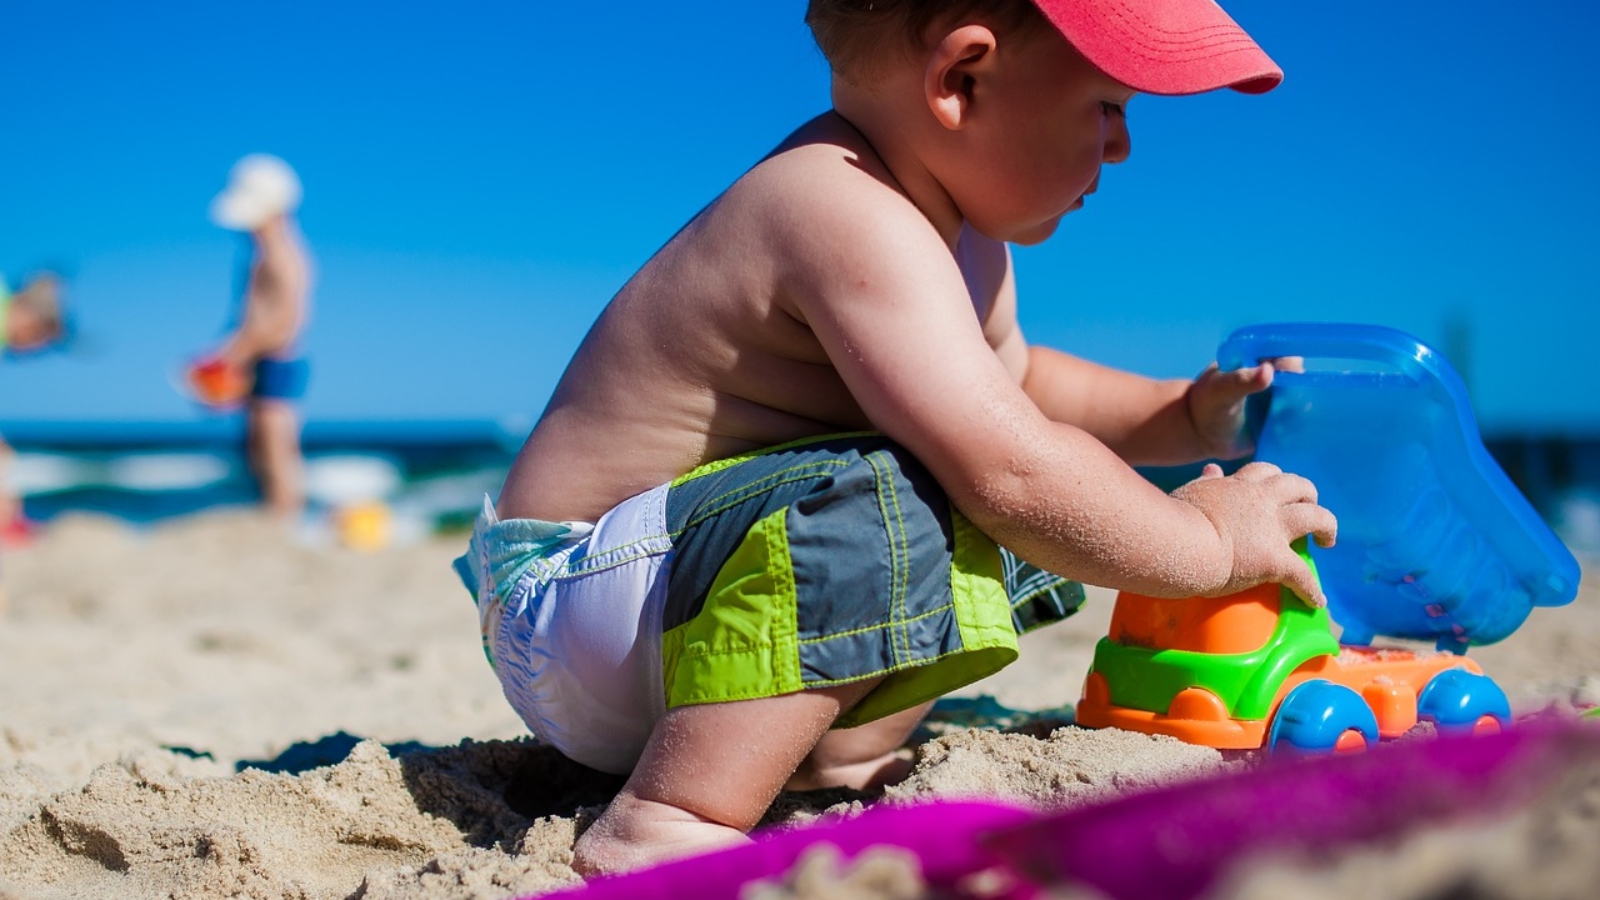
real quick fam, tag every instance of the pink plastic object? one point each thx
(1173, 843)
(940, 834)
(18, 532)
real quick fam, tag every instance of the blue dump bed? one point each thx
(1435, 542)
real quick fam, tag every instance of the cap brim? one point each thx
(1165, 46)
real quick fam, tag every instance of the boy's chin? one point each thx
(1024, 234)
(1036, 234)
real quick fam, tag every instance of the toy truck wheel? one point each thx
(1457, 701)
(1322, 717)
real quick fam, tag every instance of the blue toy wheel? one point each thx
(1316, 715)
(1456, 700)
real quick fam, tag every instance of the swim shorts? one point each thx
(280, 379)
(817, 563)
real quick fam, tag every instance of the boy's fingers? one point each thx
(1289, 363)
(1303, 519)
(1292, 488)
(1308, 591)
(1257, 471)
(1298, 578)
(1246, 381)
(1211, 470)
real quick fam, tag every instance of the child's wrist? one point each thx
(1210, 567)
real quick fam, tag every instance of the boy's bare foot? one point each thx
(635, 833)
(709, 772)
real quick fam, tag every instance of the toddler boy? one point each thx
(759, 527)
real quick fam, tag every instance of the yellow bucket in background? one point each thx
(366, 526)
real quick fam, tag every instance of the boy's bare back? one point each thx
(708, 352)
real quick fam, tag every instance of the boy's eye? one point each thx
(1112, 109)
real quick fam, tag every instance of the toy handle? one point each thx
(1387, 348)
(1319, 340)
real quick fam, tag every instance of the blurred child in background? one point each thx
(12, 525)
(259, 364)
(31, 320)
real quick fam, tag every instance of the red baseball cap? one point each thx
(1164, 46)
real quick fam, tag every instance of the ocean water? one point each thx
(431, 475)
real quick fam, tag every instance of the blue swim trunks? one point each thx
(280, 379)
(817, 563)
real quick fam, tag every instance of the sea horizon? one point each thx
(434, 472)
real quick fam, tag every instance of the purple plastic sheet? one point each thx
(1173, 843)
(940, 834)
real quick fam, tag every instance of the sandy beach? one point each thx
(205, 709)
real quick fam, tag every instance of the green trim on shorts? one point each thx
(745, 644)
(720, 464)
(983, 615)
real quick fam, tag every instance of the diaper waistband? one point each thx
(500, 552)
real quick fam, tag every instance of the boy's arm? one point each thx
(883, 295)
(1145, 421)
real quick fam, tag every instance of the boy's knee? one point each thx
(865, 757)
(868, 774)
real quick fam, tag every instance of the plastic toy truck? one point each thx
(1435, 544)
(1262, 668)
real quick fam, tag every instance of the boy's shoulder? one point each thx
(825, 190)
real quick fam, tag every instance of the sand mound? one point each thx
(1071, 767)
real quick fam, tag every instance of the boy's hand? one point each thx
(1258, 511)
(1216, 405)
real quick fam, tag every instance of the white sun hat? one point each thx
(260, 186)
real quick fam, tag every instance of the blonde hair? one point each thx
(854, 35)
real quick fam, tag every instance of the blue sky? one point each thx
(480, 178)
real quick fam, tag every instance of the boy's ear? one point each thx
(955, 65)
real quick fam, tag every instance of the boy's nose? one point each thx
(1117, 143)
